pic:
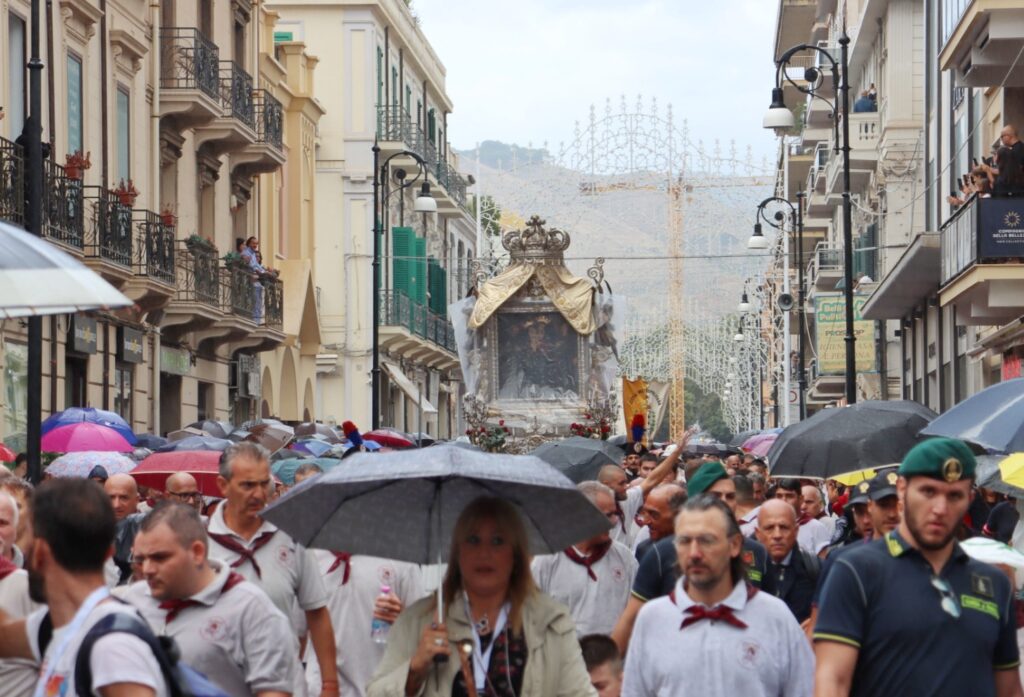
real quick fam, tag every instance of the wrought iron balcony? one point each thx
(238, 293)
(110, 238)
(273, 302)
(394, 125)
(155, 248)
(269, 118)
(198, 274)
(398, 310)
(237, 93)
(63, 206)
(189, 60)
(12, 182)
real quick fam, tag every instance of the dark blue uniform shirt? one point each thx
(879, 598)
(658, 571)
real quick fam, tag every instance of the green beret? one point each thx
(940, 458)
(705, 476)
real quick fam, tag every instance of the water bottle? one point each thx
(379, 628)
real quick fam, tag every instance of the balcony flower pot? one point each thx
(75, 164)
(167, 218)
(126, 193)
(198, 244)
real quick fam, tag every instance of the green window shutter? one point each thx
(401, 251)
(434, 269)
(418, 280)
(431, 126)
(441, 294)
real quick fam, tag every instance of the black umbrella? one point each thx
(195, 443)
(217, 429)
(741, 438)
(837, 441)
(989, 476)
(992, 418)
(579, 458)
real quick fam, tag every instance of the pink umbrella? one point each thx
(84, 436)
(760, 444)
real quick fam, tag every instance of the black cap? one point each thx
(883, 484)
(633, 448)
(859, 493)
(98, 472)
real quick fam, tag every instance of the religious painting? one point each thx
(538, 357)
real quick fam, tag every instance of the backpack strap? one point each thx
(125, 623)
(45, 633)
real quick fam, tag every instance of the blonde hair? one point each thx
(506, 518)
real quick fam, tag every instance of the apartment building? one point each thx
(174, 128)
(381, 82)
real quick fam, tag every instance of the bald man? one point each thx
(182, 487)
(124, 497)
(792, 572)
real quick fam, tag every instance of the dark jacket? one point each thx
(795, 583)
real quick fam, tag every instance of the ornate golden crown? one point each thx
(535, 244)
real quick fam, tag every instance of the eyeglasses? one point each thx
(185, 495)
(949, 604)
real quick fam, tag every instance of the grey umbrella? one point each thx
(342, 509)
(37, 278)
(989, 476)
(195, 443)
(579, 458)
(217, 429)
(992, 418)
(838, 441)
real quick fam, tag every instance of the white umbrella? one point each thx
(37, 278)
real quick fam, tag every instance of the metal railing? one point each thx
(198, 274)
(189, 60)
(824, 258)
(237, 93)
(982, 231)
(273, 302)
(398, 310)
(154, 251)
(12, 182)
(111, 235)
(269, 118)
(395, 125)
(238, 293)
(63, 206)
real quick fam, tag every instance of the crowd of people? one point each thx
(1001, 174)
(713, 578)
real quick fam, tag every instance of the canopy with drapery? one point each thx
(572, 296)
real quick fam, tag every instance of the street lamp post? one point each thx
(758, 241)
(424, 203)
(780, 119)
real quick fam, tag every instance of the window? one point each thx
(394, 86)
(124, 134)
(431, 126)
(15, 102)
(74, 103)
(124, 374)
(75, 371)
(205, 405)
(15, 387)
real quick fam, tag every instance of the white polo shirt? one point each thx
(288, 572)
(813, 536)
(351, 607)
(236, 637)
(18, 676)
(115, 658)
(630, 507)
(771, 657)
(595, 605)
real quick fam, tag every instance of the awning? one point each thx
(914, 279)
(408, 387)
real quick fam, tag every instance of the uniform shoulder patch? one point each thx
(982, 585)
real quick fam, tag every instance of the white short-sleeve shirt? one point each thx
(770, 657)
(18, 676)
(630, 507)
(351, 608)
(288, 571)
(236, 637)
(595, 605)
(813, 536)
(116, 658)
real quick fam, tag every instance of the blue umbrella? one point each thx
(150, 441)
(992, 418)
(312, 446)
(195, 443)
(77, 415)
(285, 469)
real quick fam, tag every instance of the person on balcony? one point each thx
(864, 104)
(1007, 177)
(251, 256)
(976, 184)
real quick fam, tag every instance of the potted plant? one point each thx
(167, 216)
(197, 243)
(75, 164)
(126, 193)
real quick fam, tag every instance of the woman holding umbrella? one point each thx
(509, 639)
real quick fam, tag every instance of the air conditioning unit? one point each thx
(247, 376)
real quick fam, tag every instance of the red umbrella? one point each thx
(201, 464)
(389, 437)
(6, 454)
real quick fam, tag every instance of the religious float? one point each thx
(536, 345)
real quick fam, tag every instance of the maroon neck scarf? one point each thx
(596, 554)
(245, 554)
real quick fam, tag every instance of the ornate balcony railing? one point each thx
(12, 182)
(63, 206)
(398, 310)
(111, 235)
(269, 118)
(238, 293)
(198, 274)
(237, 93)
(273, 302)
(395, 125)
(189, 60)
(154, 250)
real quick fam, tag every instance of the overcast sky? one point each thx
(524, 71)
